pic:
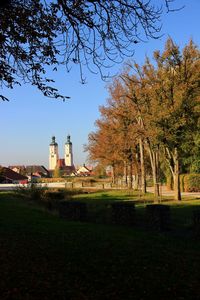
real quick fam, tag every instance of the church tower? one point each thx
(68, 153)
(53, 154)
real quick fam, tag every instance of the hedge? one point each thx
(190, 182)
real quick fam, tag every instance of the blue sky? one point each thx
(29, 119)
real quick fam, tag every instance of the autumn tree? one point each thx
(128, 129)
(100, 171)
(191, 160)
(170, 92)
(117, 133)
(177, 93)
(38, 35)
(166, 96)
(136, 92)
(102, 147)
(57, 172)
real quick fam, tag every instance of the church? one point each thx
(65, 164)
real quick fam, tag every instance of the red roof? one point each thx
(60, 163)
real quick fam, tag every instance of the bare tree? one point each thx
(35, 34)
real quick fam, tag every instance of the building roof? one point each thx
(68, 170)
(83, 170)
(60, 163)
(36, 168)
(11, 175)
(18, 167)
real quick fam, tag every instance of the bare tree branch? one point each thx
(38, 34)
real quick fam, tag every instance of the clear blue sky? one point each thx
(29, 120)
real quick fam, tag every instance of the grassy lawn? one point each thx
(181, 212)
(44, 257)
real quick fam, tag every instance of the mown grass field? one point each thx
(44, 257)
(181, 212)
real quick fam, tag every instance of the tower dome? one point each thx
(68, 140)
(53, 141)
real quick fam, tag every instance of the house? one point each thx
(36, 171)
(84, 171)
(68, 171)
(19, 169)
(9, 176)
(32, 171)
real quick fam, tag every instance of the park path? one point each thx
(166, 192)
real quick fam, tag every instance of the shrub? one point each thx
(51, 199)
(191, 182)
(48, 198)
(182, 185)
(32, 192)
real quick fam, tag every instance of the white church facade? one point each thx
(55, 161)
(53, 154)
(68, 153)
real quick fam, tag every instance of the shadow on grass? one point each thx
(44, 257)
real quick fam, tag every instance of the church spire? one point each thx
(53, 154)
(68, 152)
(53, 142)
(68, 140)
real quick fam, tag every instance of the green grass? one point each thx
(44, 257)
(115, 195)
(99, 203)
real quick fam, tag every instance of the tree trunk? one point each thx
(170, 181)
(136, 172)
(113, 174)
(177, 190)
(136, 182)
(143, 172)
(125, 174)
(155, 182)
(130, 175)
(173, 160)
(154, 159)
